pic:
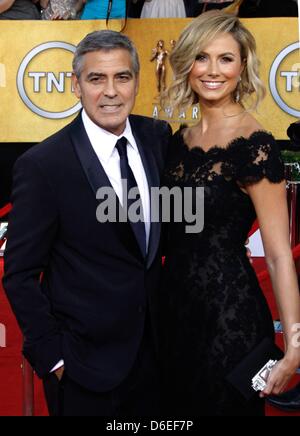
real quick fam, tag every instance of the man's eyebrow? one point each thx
(119, 73)
(94, 74)
(125, 72)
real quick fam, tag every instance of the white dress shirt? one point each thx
(103, 143)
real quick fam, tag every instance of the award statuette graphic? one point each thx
(160, 54)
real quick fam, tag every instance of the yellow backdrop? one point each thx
(36, 98)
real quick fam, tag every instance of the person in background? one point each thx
(163, 9)
(135, 8)
(213, 311)
(173, 8)
(19, 10)
(197, 7)
(61, 9)
(268, 8)
(100, 9)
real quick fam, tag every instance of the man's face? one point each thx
(107, 88)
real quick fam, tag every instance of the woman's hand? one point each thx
(281, 374)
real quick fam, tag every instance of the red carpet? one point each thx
(11, 392)
(11, 398)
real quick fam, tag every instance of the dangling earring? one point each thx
(237, 93)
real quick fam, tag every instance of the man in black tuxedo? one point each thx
(85, 292)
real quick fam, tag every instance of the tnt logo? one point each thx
(2, 336)
(2, 76)
(284, 80)
(53, 82)
(44, 80)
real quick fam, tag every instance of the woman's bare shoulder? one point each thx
(250, 125)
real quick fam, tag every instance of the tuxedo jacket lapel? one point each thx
(97, 177)
(95, 173)
(90, 163)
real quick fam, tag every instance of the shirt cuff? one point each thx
(58, 365)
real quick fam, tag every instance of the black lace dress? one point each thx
(213, 311)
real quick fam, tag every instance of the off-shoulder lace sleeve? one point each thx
(257, 157)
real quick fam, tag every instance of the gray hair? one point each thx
(104, 40)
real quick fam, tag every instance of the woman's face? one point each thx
(217, 69)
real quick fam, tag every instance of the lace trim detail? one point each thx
(246, 160)
(232, 143)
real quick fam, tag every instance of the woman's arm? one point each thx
(270, 203)
(5, 5)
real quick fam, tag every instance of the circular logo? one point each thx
(54, 84)
(284, 79)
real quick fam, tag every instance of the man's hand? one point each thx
(60, 372)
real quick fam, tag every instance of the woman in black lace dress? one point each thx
(213, 310)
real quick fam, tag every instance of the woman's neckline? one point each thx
(231, 143)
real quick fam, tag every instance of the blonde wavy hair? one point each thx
(200, 32)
